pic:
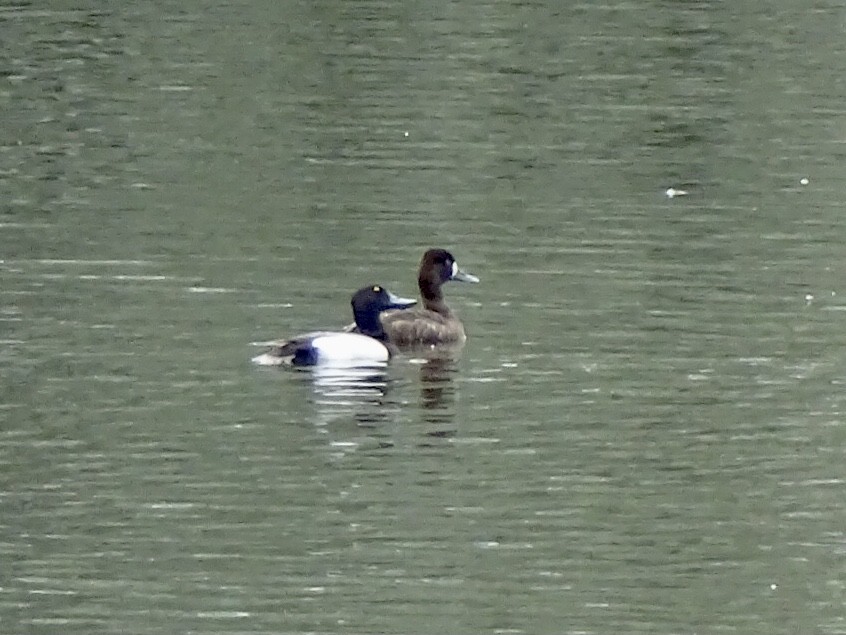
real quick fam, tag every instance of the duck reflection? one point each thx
(438, 368)
(349, 382)
(361, 394)
(343, 391)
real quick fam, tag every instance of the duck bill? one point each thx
(396, 302)
(463, 276)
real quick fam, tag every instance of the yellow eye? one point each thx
(377, 289)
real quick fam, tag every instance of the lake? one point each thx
(644, 432)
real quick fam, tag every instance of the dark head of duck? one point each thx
(368, 302)
(437, 267)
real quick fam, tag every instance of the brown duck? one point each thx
(433, 322)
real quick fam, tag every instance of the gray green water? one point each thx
(645, 431)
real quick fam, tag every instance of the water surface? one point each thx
(644, 431)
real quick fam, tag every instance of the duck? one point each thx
(367, 345)
(432, 323)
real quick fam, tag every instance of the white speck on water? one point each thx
(222, 614)
(673, 192)
(487, 544)
(809, 298)
(211, 290)
(773, 586)
(804, 181)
